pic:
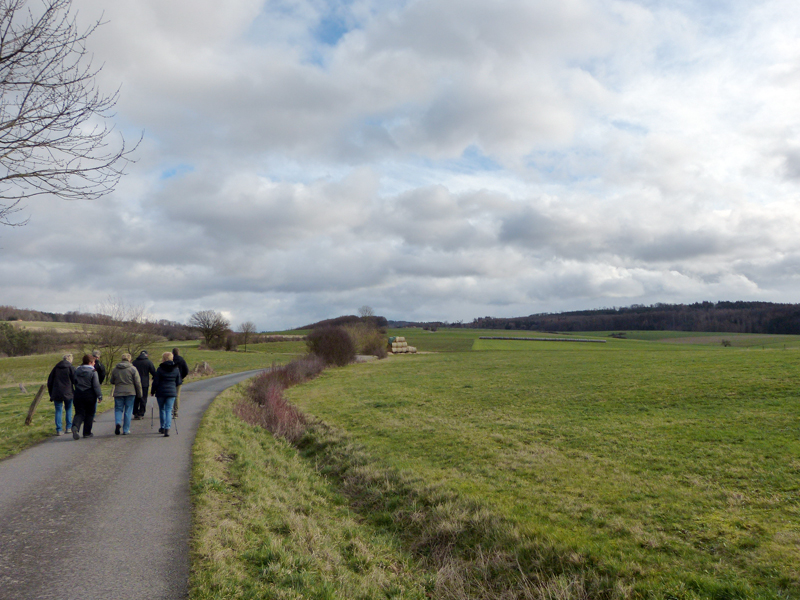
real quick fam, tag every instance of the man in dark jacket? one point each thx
(166, 383)
(146, 368)
(183, 368)
(61, 386)
(87, 395)
(99, 367)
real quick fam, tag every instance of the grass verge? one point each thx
(267, 525)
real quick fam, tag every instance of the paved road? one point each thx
(106, 518)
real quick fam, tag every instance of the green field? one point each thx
(32, 371)
(672, 468)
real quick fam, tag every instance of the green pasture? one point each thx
(672, 468)
(32, 371)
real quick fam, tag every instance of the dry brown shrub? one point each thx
(265, 406)
(203, 368)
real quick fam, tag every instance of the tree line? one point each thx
(724, 317)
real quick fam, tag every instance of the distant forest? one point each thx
(727, 317)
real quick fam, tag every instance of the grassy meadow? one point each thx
(649, 468)
(32, 371)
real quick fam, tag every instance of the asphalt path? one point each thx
(107, 517)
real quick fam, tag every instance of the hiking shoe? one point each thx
(59, 432)
(166, 433)
(76, 435)
(160, 430)
(117, 429)
(88, 435)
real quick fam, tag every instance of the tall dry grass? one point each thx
(265, 405)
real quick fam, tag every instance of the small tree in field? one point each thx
(123, 328)
(211, 325)
(247, 329)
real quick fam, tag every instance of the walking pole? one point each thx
(151, 417)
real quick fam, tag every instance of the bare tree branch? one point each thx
(125, 328)
(54, 136)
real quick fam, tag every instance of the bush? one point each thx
(332, 344)
(268, 408)
(22, 342)
(298, 371)
(368, 339)
(376, 346)
(266, 405)
(231, 342)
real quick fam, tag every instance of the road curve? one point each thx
(103, 518)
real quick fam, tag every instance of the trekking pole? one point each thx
(151, 417)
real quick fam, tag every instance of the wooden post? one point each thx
(34, 404)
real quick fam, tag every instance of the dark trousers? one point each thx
(85, 409)
(140, 406)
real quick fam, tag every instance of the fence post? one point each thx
(34, 404)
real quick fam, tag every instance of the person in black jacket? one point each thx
(184, 370)
(61, 386)
(146, 368)
(99, 367)
(87, 395)
(166, 382)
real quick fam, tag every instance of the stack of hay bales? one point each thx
(398, 345)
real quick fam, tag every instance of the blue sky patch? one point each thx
(176, 171)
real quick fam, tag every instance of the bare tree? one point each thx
(53, 133)
(124, 328)
(211, 325)
(247, 329)
(365, 312)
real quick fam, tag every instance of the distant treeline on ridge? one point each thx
(344, 320)
(727, 317)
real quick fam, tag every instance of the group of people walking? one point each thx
(80, 389)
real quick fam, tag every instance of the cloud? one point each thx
(436, 160)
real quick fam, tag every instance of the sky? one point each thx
(435, 160)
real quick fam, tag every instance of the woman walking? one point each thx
(87, 395)
(165, 389)
(127, 384)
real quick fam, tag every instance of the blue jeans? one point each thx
(165, 411)
(60, 412)
(123, 411)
